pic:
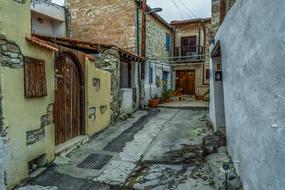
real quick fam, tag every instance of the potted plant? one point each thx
(167, 96)
(154, 102)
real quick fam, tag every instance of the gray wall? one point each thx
(253, 56)
(2, 186)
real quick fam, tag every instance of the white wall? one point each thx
(52, 16)
(49, 9)
(151, 89)
(45, 27)
(252, 39)
(217, 112)
(129, 95)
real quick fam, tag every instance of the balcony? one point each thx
(189, 54)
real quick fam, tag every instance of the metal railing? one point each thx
(189, 53)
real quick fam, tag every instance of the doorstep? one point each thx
(70, 145)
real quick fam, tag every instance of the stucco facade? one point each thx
(252, 62)
(27, 127)
(18, 120)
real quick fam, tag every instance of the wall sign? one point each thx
(218, 76)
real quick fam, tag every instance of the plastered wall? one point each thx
(20, 114)
(252, 46)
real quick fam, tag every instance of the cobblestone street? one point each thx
(163, 149)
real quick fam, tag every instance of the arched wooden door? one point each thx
(69, 98)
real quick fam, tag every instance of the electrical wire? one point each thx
(186, 7)
(177, 9)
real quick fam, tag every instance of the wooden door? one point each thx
(188, 45)
(186, 82)
(69, 96)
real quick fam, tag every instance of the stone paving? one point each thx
(152, 150)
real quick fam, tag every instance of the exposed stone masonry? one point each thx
(10, 54)
(216, 12)
(109, 61)
(156, 39)
(110, 22)
(37, 135)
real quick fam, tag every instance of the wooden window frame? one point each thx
(34, 78)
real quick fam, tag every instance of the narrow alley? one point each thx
(142, 95)
(155, 149)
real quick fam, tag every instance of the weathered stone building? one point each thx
(247, 98)
(119, 23)
(159, 47)
(191, 62)
(109, 22)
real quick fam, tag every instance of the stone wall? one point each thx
(156, 39)
(252, 47)
(215, 15)
(10, 53)
(109, 61)
(111, 22)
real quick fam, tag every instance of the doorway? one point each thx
(69, 98)
(185, 82)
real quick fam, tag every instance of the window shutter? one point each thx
(167, 42)
(35, 78)
(150, 75)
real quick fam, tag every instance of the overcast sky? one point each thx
(178, 9)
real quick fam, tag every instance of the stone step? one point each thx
(70, 145)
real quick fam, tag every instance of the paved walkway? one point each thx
(153, 150)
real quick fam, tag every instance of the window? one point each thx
(35, 78)
(165, 75)
(207, 74)
(167, 42)
(150, 75)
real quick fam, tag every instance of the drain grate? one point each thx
(95, 161)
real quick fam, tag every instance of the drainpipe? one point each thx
(67, 23)
(199, 41)
(173, 54)
(140, 65)
(204, 47)
(138, 28)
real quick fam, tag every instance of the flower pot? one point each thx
(153, 103)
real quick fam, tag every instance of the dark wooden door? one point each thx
(188, 46)
(186, 82)
(69, 90)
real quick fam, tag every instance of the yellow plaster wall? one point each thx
(20, 114)
(98, 98)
